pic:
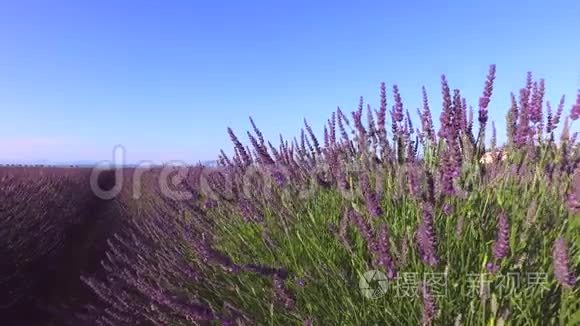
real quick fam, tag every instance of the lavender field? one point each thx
(387, 218)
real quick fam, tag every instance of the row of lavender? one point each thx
(281, 234)
(41, 210)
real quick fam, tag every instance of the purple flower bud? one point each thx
(257, 131)
(363, 227)
(426, 238)
(447, 209)
(332, 129)
(261, 150)
(240, 148)
(371, 198)
(559, 111)
(281, 294)
(412, 181)
(384, 257)
(523, 130)
(560, 263)
(209, 203)
(382, 114)
(426, 118)
(448, 172)
(501, 245)
(313, 137)
(397, 113)
(445, 118)
(249, 211)
(573, 203)
(485, 99)
(300, 282)
(575, 112)
(429, 308)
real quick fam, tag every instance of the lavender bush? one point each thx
(287, 231)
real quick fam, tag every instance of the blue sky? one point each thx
(165, 78)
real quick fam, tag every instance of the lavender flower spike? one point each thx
(363, 227)
(575, 112)
(484, 100)
(501, 246)
(429, 307)
(281, 294)
(371, 198)
(560, 262)
(425, 237)
(383, 253)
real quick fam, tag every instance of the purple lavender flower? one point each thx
(257, 131)
(281, 294)
(429, 308)
(383, 252)
(426, 118)
(300, 282)
(534, 109)
(559, 111)
(549, 118)
(523, 130)
(464, 121)
(209, 203)
(211, 255)
(573, 203)
(425, 237)
(308, 145)
(512, 119)
(448, 172)
(313, 137)
(412, 180)
(382, 114)
(575, 112)
(457, 114)
(397, 114)
(371, 198)
(394, 128)
(445, 118)
(447, 209)
(261, 150)
(341, 121)
(372, 128)
(540, 101)
(326, 138)
(484, 100)
(343, 229)
(225, 158)
(277, 156)
(239, 148)
(249, 211)
(363, 227)
(332, 129)
(469, 130)
(501, 245)
(560, 263)
(357, 118)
